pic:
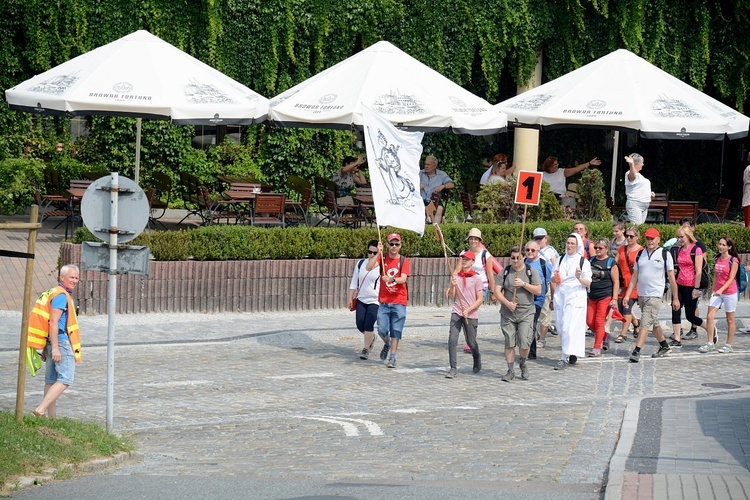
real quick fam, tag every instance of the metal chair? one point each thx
(298, 211)
(718, 214)
(159, 196)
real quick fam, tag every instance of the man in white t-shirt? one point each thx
(649, 270)
(637, 190)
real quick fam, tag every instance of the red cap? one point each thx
(394, 236)
(468, 254)
(651, 233)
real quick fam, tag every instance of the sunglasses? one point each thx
(370, 252)
(395, 244)
(538, 237)
(531, 250)
(630, 236)
(599, 248)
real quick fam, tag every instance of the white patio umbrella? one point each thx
(387, 80)
(140, 76)
(624, 92)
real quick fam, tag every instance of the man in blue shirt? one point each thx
(432, 180)
(544, 269)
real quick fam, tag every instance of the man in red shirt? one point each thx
(393, 296)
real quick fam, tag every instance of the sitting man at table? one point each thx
(433, 180)
(347, 177)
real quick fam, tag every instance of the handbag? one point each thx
(353, 305)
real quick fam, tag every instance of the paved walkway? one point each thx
(284, 397)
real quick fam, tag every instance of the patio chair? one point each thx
(158, 199)
(677, 210)
(298, 211)
(718, 214)
(468, 205)
(347, 215)
(269, 210)
(53, 208)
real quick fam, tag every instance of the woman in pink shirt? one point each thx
(690, 262)
(724, 291)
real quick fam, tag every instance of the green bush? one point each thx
(496, 202)
(256, 243)
(19, 178)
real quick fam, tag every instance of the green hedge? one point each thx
(254, 243)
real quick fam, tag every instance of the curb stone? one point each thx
(99, 464)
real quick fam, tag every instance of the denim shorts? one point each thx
(391, 319)
(64, 370)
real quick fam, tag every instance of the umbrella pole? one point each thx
(615, 153)
(137, 149)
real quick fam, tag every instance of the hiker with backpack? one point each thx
(517, 288)
(362, 297)
(484, 265)
(725, 292)
(545, 271)
(626, 261)
(571, 279)
(653, 266)
(689, 270)
(603, 292)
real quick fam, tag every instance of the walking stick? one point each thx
(439, 236)
(523, 230)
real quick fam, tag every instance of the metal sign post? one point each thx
(120, 228)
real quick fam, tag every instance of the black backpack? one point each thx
(705, 272)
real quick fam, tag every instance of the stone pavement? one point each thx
(284, 396)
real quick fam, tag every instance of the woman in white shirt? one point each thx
(364, 287)
(556, 176)
(637, 190)
(499, 170)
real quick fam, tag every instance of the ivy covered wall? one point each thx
(270, 45)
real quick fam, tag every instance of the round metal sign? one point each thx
(132, 209)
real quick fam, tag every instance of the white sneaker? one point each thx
(708, 347)
(745, 330)
(727, 348)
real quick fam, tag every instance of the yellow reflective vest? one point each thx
(39, 322)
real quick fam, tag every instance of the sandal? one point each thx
(620, 339)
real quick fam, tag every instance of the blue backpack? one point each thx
(741, 278)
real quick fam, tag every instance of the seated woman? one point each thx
(556, 176)
(499, 170)
(349, 176)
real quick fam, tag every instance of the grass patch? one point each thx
(37, 444)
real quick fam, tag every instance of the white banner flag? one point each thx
(393, 158)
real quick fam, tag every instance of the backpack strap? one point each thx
(544, 268)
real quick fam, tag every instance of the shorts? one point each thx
(625, 306)
(545, 318)
(391, 320)
(649, 312)
(518, 331)
(64, 370)
(366, 316)
(729, 301)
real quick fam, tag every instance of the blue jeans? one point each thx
(391, 319)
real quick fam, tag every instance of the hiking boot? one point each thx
(675, 344)
(384, 351)
(727, 348)
(708, 347)
(561, 365)
(509, 375)
(663, 351)
(392, 362)
(451, 373)
(364, 354)
(635, 357)
(595, 353)
(525, 372)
